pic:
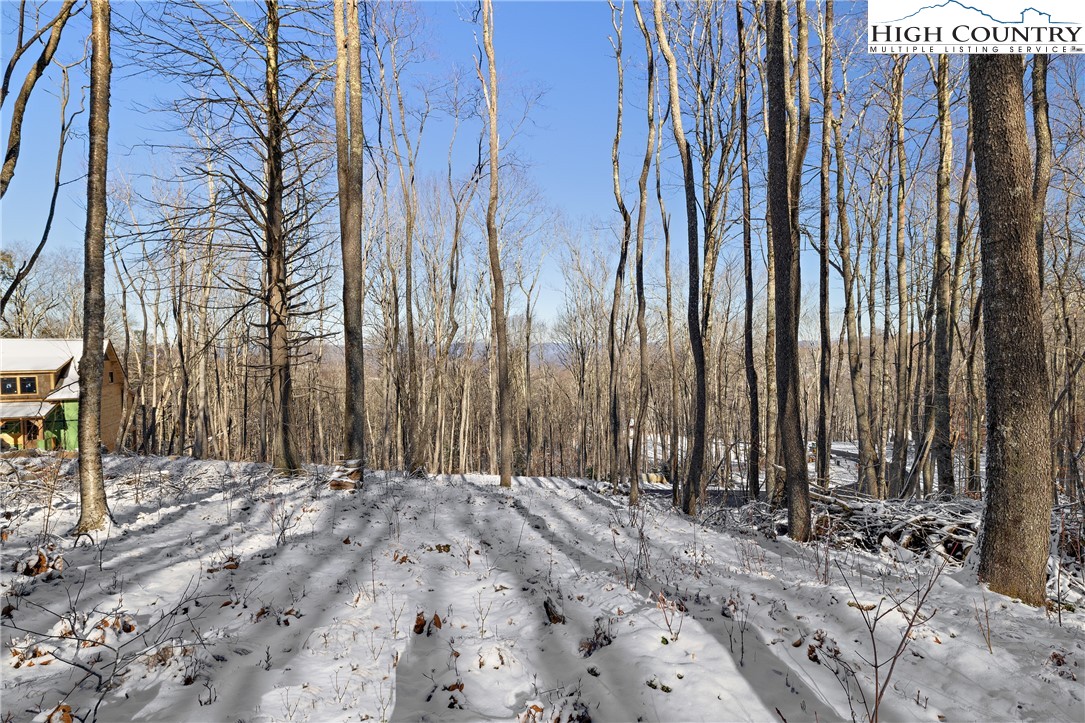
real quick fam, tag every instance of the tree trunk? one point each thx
(1014, 551)
(282, 442)
(867, 480)
(618, 429)
(642, 213)
(785, 245)
(691, 490)
(902, 418)
(1041, 178)
(92, 501)
(825, 365)
(350, 147)
(753, 449)
(504, 417)
(943, 446)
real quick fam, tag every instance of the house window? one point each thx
(111, 377)
(9, 385)
(28, 385)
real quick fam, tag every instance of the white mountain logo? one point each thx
(955, 11)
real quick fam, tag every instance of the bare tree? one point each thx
(691, 490)
(92, 508)
(619, 430)
(642, 213)
(1014, 551)
(1041, 130)
(753, 446)
(825, 362)
(350, 146)
(785, 165)
(497, 279)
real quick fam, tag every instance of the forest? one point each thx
(829, 287)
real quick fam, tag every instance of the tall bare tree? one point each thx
(1041, 179)
(753, 448)
(93, 510)
(619, 430)
(943, 446)
(497, 279)
(692, 488)
(350, 148)
(642, 214)
(825, 362)
(785, 164)
(1014, 551)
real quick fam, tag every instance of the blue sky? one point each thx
(561, 48)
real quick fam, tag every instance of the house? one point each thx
(39, 394)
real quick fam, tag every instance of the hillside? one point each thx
(223, 593)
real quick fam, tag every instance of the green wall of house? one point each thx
(62, 427)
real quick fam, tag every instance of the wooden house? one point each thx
(39, 394)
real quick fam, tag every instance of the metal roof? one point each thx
(25, 410)
(25, 355)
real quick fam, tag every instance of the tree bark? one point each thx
(350, 147)
(92, 500)
(642, 213)
(1014, 551)
(489, 88)
(1041, 178)
(784, 239)
(692, 487)
(825, 365)
(753, 449)
(902, 418)
(282, 443)
(619, 431)
(943, 446)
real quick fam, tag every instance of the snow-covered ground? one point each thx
(224, 594)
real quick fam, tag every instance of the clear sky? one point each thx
(561, 48)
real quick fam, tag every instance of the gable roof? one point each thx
(32, 355)
(35, 355)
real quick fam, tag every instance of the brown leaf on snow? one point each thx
(60, 714)
(420, 624)
(436, 621)
(37, 566)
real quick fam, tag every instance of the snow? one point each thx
(226, 593)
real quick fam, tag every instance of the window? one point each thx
(28, 385)
(111, 377)
(8, 385)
